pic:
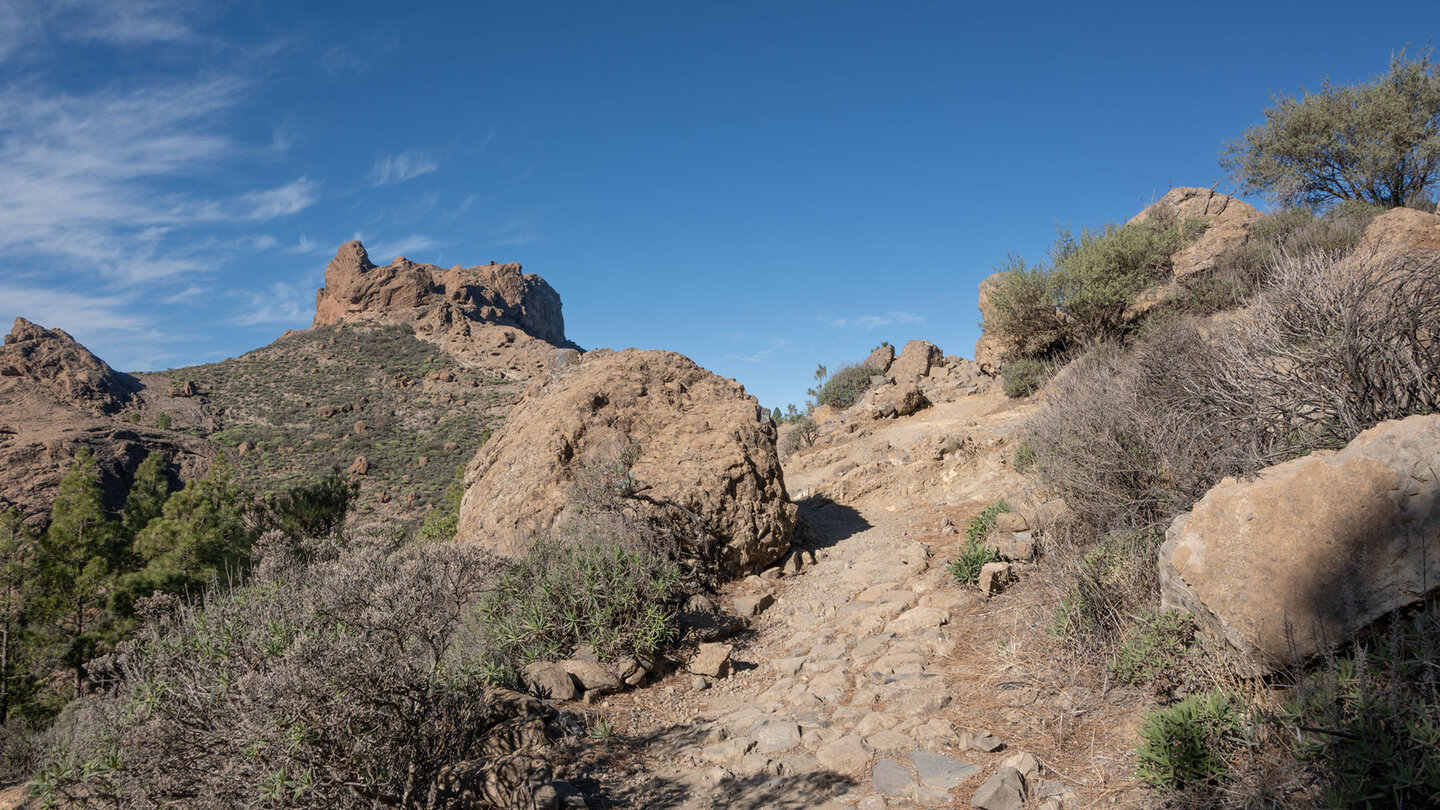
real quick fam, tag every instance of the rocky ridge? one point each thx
(493, 315)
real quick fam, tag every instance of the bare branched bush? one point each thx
(1334, 346)
(331, 683)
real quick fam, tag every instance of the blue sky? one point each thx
(762, 186)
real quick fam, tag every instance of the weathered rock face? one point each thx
(1402, 233)
(55, 398)
(1315, 549)
(915, 361)
(53, 360)
(1229, 226)
(700, 442)
(493, 314)
(881, 358)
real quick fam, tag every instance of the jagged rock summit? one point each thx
(703, 449)
(53, 360)
(492, 315)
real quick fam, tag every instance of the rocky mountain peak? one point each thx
(69, 372)
(406, 292)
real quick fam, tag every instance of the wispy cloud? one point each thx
(407, 247)
(288, 199)
(407, 165)
(278, 303)
(305, 245)
(877, 321)
(756, 357)
(27, 23)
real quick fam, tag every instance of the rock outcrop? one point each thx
(1401, 233)
(55, 398)
(53, 360)
(492, 315)
(1228, 225)
(1315, 549)
(701, 446)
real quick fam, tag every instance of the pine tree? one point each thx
(148, 493)
(204, 530)
(75, 564)
(16, 546)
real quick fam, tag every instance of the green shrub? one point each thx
(1024, 456)
(163, 421)
(1369, 722)
(578, 590)
(1099, 277)
(1154, 650)
(1187, 744)
(844, 387)
(969, 559)
(976, 551)
(981, 525)
(805, 433)
(1024, 376)
(1020, 305)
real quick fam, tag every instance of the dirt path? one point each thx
(874, 680)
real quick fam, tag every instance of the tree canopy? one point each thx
(1377, 142)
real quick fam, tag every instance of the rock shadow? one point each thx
(827, 522)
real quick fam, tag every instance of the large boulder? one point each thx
(1228, 225)
(699, 443)
(915, 361)
(1315, 549)
(1401, 233)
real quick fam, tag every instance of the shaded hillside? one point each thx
(314, 400)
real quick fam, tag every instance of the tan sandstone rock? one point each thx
(1401, 233)
(490, 315)
(701, 446)
(53, 360)
(901, 399)
(1229, 223)
(881, 358)
(915, 360)
(1314, 549)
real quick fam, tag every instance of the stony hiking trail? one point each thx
(874, 680)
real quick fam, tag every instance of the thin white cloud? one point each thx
(407, 247)
(184, 295)
(28, 26)
(288, 199)
(756, 357)
(278, 303)
(305, 245)
(877, 321)
(76, 313)
(407, 165)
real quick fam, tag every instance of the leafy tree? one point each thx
(148, 492)
(76, 561)
(1377, 142)
(442, 522)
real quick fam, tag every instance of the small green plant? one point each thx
(1370, 720)
(1154, 648)
(1187, 743)
(163, 421)
(972, 556)
(1024, 456)
(982, 524)
(602, 730)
